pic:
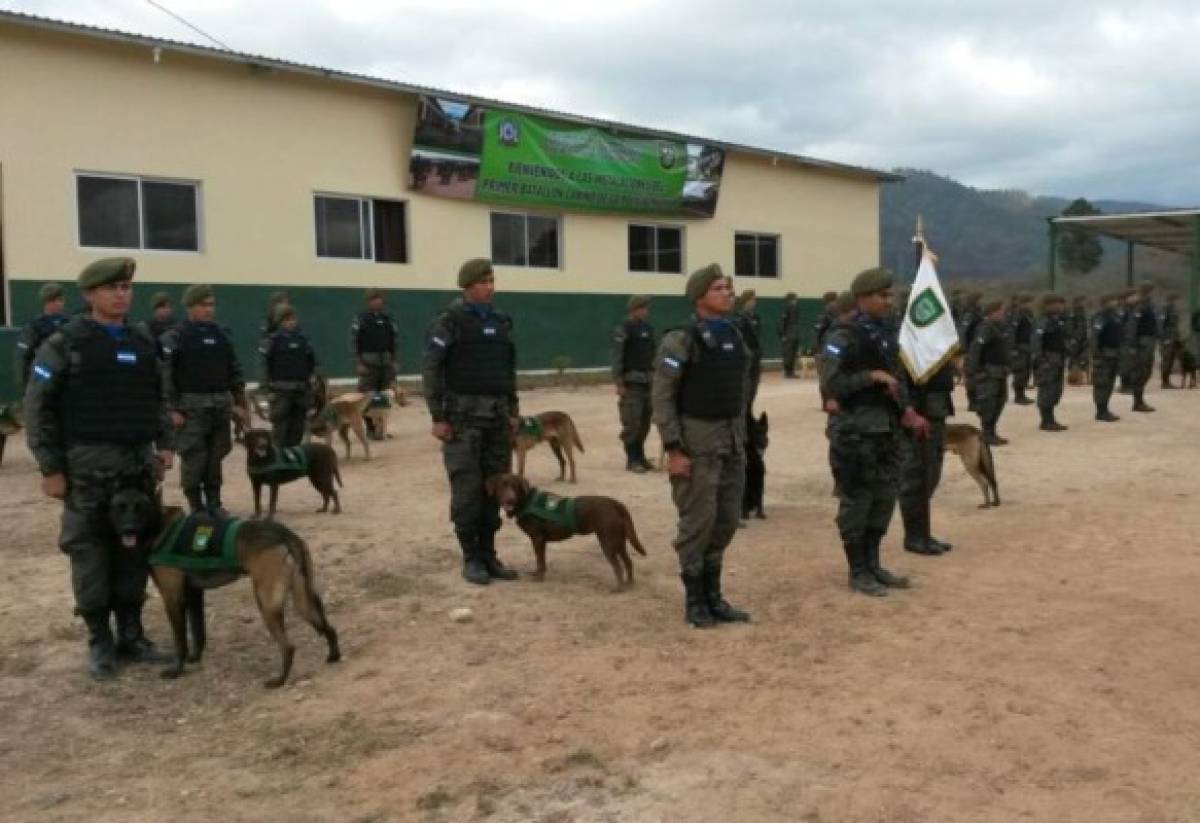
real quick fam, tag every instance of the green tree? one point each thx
(1079, 251)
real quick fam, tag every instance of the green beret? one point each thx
(372, 294)
(829, 297)
(472, 271)
(701, 281)
(992, 305)
(870, 281)
(637, 301)
(160, 298)
(283, 311)
(744, 298)
(50, 291)
(196, 294)
(790, 296)
(108, 270)
(843, 303)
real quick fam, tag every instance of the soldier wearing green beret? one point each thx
(633, 346)
(1106, 354)
(1170, 340)
(287, 365)
(788, 329)
(374, 337)
(699, 392)
(746, 316)
(270, 323)
(1049, 356)
(469, 376)
(860, 366)
(39, 329)
(987, 363)
(1141, 338)
(161, 319)
(969, 320)
(1078, 359)
(203, 388)
(1020, 340)
(95, 419)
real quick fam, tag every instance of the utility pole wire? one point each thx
(196, 29)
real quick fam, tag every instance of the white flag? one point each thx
(928, 338)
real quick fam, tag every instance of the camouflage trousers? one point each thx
(104, 575)
(990, 395)
(1104, 378)
(203, 441)
(376, 377)
(634, 408)
(1171, 352)
(1021, 368)
(476, 451)
(709, 503)
(1141, 364)
(289, 415)
(1079, 359)
(1049, 380)
(921, 471)
(790, 348)
(866, 471)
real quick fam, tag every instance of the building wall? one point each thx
(262, 142)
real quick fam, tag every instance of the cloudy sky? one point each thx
(1073, 98)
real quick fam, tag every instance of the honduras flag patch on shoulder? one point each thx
(42, 372)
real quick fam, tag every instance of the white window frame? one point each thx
(366, 228)
(525, 215)
(778, 238)
(197, 188)
(657, 227)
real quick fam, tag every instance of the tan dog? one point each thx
(379, 416)
(808, 367)
(557, 429)
(967, 442)
(277, 561)
(549, 518)
(11, 423)
(342, 414)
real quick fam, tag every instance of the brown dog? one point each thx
(967, 442)
(343, 414)
(557, 429)
(10, 424)
(277, 561)
(548, 518)
(273, 467)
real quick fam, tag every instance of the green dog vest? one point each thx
(293, 459)
(198, 543)
(550, 508)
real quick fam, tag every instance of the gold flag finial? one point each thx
(919, 237)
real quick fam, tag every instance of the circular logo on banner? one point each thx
(925, 309)
(666, 156)
(510, 133)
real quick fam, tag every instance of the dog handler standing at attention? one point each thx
(469, 379)
(632, 361)
(94, 413)
(701, 383)
(202, 388)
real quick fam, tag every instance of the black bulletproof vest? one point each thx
(639, 346)
(872, 347)
(46, 325)
(971, 325)
(375, 335)
(713, 387)
(1023, 328)
(159, 327)
(750, 332)
(288, 358)
(111, 394)
(1054, 338)
(994, 353)
(942, 381)
(482, 357)
(1108, 330)
(204, 359)
(1147, 324)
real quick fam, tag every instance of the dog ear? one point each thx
(523, 486)
(490, 485)
(762, 419)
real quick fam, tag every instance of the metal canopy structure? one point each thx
(1176, 231)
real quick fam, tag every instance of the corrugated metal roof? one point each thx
(47, 23)
(1175, 230)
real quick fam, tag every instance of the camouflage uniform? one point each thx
(94, 414)
(287, 364)
(1171, 345)
(373, 340)
(788, 328)
(36, 332)
(470, 382)
(750, 325)
(1049, 355)
(1142, 335)
(1106, 356)
(201, 380)
(1020, 332)
(632, 363)
(987, 361)
(1078, 351)
(921, 469)
(967, 326)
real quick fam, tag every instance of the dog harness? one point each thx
(291, 459)
(550, 508)
(379, 400)
(530, 426)
(198, 543)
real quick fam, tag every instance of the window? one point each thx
(656, 248)
(525, 240)
(756, 255)
(137, 213)
(360, 228)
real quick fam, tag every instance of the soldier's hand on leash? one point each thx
(442, 431)
(915, 423)
(886, 380)
(831, 407)
(55, 485)
(679, 464)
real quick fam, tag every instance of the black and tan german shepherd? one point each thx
(966, 441)
(756, 466)
(276, 559)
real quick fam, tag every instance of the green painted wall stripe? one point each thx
(578, 326)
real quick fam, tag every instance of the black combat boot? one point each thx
(641, 458)
(631, 461)
(862, 580)
(990, 437)
(695, 609)
(473, 570)
(1140, 404)
(1049, 424)
(1019, 397)
(487, 553)
(212, 500)
(718, 606)
(872, 540)
(102, 657)
(916, 534)
(132, 644)
(195, 499)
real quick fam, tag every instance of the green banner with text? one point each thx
(509, 158)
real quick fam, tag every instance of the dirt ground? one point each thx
(1045, 670)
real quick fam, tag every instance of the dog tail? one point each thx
(989, 469)
(301, 555)
(575, 435)
(631, 532)
(337, 474)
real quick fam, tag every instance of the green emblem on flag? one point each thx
(926, 309)
(200, 541)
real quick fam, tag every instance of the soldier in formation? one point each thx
(287, 365)
(788, 328)
(633, 348)
(38, 330)
(987, 363)
(1049, 357)
(1105, 354)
